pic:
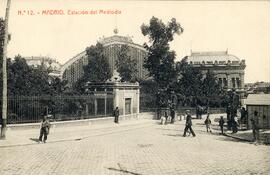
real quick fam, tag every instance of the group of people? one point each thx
(207, 122)
(45, 124)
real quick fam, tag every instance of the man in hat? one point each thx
(188, 124)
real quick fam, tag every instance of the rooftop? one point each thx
(212, 57)
(115, 38)
(258, 99)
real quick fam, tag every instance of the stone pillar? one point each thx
(95, 107)
(229, 81)
(242, 80)
(138, 101)
(105, 106)
(116, 98)
(124, 103)
(87, 109)
(105, 102)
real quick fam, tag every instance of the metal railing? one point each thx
(30, 109)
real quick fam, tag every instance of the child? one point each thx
(207, 122)
(45, 128)
(221, 124)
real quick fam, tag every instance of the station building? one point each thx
(72, 70)
(229, 69)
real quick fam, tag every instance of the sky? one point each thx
(242, 27)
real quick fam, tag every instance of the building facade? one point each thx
(258, 87)
(229, 69)
(72, 70)
(49, 63)
(260, 104)
(109, 95)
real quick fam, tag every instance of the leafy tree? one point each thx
(210, 86)
(190, 80)
(126, 67)
(160, 60)
(195, 87)
(26, 80)
(97, 69)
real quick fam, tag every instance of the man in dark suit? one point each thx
(116, 114)
(188, 124)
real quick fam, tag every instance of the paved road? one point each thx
(139, 149)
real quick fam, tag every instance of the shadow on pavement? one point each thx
(231, 139)
(34, 139)
(174, 135)
(124, 171)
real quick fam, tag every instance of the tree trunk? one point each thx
(4, 98)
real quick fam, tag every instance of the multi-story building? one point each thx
(258, 87)
(49, 63)
(229, 69)
(72, 70)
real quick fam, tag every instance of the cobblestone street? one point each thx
(142, 148)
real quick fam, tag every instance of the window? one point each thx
(128, 106)
(233, 82)
(100, 106)
(238, 81)
(225, 82)
(109, 106)
(220, 81)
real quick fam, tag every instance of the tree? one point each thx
(126, 67)
(29, 81)
(97, 69)
(190, 81)
(210, 85)
(196, 87)
(160, 59)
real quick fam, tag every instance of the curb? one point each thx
(238, 138)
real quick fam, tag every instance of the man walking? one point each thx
(172, 114)
(188, 124)
(116, 115)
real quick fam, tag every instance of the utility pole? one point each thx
(4, 98)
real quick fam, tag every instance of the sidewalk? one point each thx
(25, 137)
(248, 136)
(242, 135)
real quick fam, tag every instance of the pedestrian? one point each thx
(172, 114)
(207, 123)
(166, 117)
(44, 129)
(235, 124)
(255, 128)
(188, 124)
(221, 124)
(243, 119)
(197, 111)
(200, 112)
(116, 115)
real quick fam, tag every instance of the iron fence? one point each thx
(30, 109)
